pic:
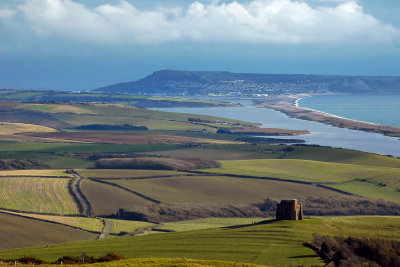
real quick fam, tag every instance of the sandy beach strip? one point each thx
(290, 106)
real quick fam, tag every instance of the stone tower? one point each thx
(289, 210)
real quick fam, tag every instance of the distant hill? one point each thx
(174, 82)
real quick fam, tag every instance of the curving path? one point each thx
(75, 186)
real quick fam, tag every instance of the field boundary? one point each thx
(44, 220)
(129, 190)
(79, 197)
(35, 176)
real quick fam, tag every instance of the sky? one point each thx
(85, 44)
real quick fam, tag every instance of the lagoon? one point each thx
(321, 134)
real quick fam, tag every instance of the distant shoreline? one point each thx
(330, 114)
(289, 105)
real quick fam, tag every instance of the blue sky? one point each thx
(81, 45)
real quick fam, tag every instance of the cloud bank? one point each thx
(257, 21)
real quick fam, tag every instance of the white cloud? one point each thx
(6, 13)
(257, 21)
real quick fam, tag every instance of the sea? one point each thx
(378, 109)
(321, 134)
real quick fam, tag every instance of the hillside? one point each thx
(174, 82)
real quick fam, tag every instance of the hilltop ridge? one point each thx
(179, 82)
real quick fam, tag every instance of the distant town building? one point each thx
(289, 210)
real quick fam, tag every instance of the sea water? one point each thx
(321, 134)
(378, 109)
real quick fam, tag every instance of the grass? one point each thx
(34, 173)
(275, 244)
(167, 262)
(56, 108)
(342, 156)
(370, 190)
(89, 224)
(104, 173)
(219, 189)
(118, 226)
(201, 224)
(41, 195)
(16, 232)
(305, 170)
(106, 199)
(80, 148)
(9, 128)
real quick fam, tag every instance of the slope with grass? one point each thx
(85, 223)
(107, 200)
(16, 232)
(304, 170)
(273, 243)
(55, 173)
(219, 189)
(123, 174)
(9, 128)
(200, 224)
(369, 181)
(118, 226)
(40, 195)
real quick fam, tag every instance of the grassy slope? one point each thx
(13, 128)
(238, 152)
(35, 173)
(207, 223)
(89, 224)
(219, 189)
(305, 170)
(42, 195)
(373, 182)
(118, 226)
(277, 244)
(17, 232)
(104, 173)
(106, 200)
(167, 262)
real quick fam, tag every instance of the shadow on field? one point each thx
(250, 224)
(304, 256)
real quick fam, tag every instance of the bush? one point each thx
(111, 256)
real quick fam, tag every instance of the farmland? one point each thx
(42, 195)
(218, 189)
(13, 128)
(276, 244)
(85, 223)
(17, 232)
(372, 182)
(161, 171)
(107, 200)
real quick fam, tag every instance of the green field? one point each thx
(18, 232)
(276, 244)
(207, 223)
(42, 195)
(35, 173)
(167, 262)
(373, 182)
(219, 189)
(106, 199)
(89, 224)
(104, 173)
(305, 170)
(118, 226)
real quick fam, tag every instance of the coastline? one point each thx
(289, 105)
